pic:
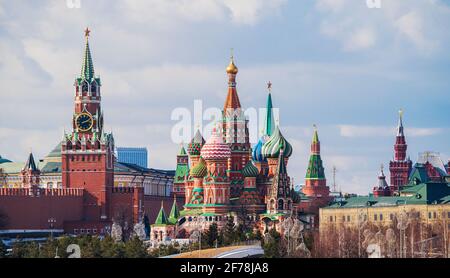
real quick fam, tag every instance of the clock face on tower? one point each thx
(84, 122)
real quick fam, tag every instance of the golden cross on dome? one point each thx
(86, 32)
(232, 53)
(269, 86)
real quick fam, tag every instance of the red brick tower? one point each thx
(87, 151)
(401, 166)
(235, 132)
(315, 181)
(31, 176)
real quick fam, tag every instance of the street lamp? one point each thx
(51, 221)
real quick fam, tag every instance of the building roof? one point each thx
(161, 219)
(174, 213)
(3, 160)
(250, 170)
(276, 142)
(30, 164)
(199, 170)
(196, 144)
(412, 194)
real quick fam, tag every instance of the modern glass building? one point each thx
(136, 156)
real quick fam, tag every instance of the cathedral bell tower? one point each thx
(235, 132)
(87, 151)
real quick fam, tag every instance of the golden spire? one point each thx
(232, 69)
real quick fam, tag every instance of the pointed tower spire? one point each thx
(315, 181)
(315, 143)
(400, 123)
(161, 219)
(174, 212)
(30, 164)
(269, 125)
(232, 101)
(87, 68)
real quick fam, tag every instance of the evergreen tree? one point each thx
(48, 249)
(111, 249)
(18, 249)
(272, 245)
(31, 250)
(212, 235)
(2, 249)
(89, 246)
(229, 231)
(134, 248)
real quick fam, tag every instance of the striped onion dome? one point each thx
(250, 170)
(196, 144)
(276, 142)
(199, 170)
(257, 150)
(215, 148)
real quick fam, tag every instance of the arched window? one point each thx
(280, 204)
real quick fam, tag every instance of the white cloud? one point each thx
(411, 25)
(383, 131)
(248, 12)
(356, 27)
(360, 39)
(252, 11)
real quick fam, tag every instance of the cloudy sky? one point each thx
(334, 63)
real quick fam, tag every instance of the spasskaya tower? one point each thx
(87, 151)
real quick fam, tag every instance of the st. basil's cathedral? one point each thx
(224, 177)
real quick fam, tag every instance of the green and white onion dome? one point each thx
(215, 148)
(196, 144)
(250, 170)
(276, 142)
(199, 170)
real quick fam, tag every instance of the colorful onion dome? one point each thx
(199, 170)
(257, 151)
(250, 170)
(232, 69)
(276, 142)
(215, 148)
(196, 144)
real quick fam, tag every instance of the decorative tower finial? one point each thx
(400, 123)
(269, 86)
(87, 32)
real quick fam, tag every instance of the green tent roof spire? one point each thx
(174, 212)
(161, 219)
(315, 135)
(87, 69)
(182, 151)
(269, 124)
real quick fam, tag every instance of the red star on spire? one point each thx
(86, 32)
(269, 86)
